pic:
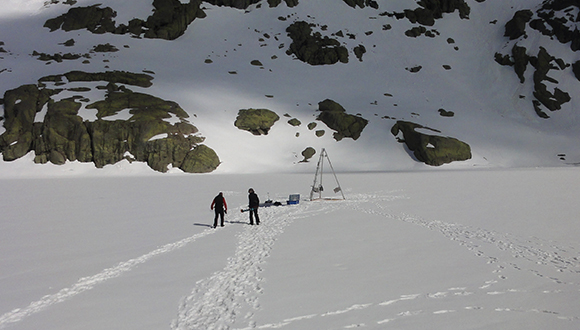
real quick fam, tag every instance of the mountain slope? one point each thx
(414, 62)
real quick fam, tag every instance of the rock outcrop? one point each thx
(256, 121)
(63, 135)
(169, 20)
(336, 118)
(556, 20)
(432, 150)
(313, 48)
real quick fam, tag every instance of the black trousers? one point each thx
(254, 213)
(219, 213)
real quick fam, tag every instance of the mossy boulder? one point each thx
(294, 122)
(312, 48)
(256, 121)
(171, 150)
(307, 154)
(432, 150)
(336, 118)
(63, 135)
(202, 159)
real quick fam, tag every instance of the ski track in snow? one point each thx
(88, 283)
(232, 295)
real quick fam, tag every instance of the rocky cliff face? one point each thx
(556, 20)
(63, 135)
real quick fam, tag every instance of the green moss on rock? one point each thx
(20, 108)
(294, 122)
(256, 121)
(336, 118)
(63, 135)
(431, 149)
(202, 159)
(307, 154)
(142, 106)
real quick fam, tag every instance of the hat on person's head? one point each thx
(250, 190)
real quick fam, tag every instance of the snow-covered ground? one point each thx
(480, 249)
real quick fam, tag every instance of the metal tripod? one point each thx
(317, 185)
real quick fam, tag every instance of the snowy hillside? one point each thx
(212, 72)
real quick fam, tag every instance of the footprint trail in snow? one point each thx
(218, 301)
(231, 296)
(541, 258)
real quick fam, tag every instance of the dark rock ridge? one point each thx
(336, 118)
(430, 10)
(312, 48)
(432, 150)
(169, 20)
(63, 135)
(256, 121)
(553, 19)
(362, 3)
(244, 4)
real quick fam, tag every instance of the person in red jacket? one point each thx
(220, 207)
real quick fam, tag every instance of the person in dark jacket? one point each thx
(220, 207)
(253, 204)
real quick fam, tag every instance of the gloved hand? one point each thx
(226, 211)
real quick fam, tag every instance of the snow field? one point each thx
(393, 254)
